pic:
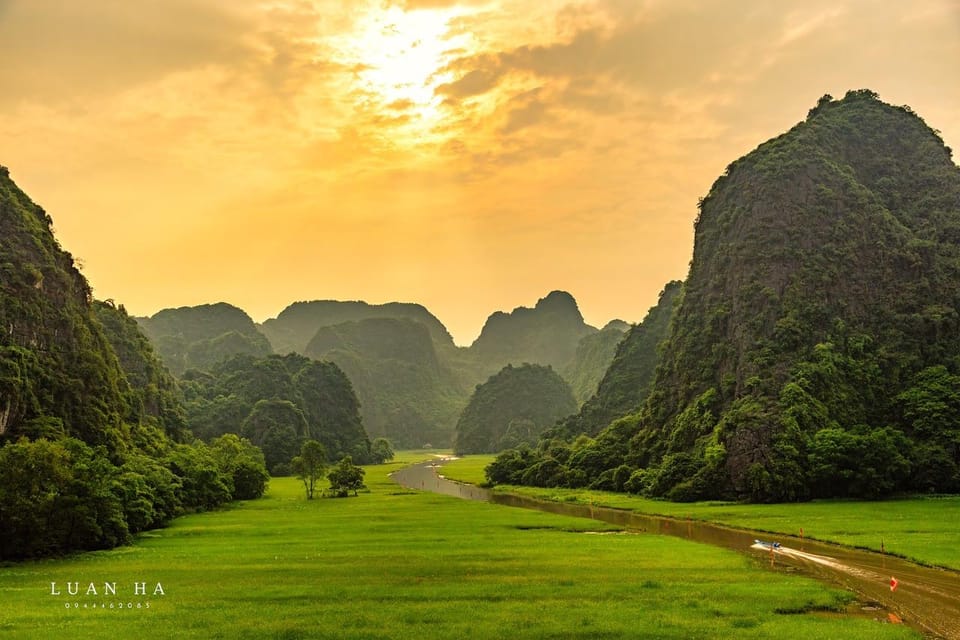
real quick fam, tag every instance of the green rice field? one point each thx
(392, 563)
(924, 529)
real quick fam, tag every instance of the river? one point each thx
(925, 598)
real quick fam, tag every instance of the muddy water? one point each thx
(925, 598)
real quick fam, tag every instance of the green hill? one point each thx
(815, 349)
(513, 407)
(91, 426)
(278, 402)
(407, 392)
(199, 337)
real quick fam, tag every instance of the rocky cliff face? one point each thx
(547, 334)
(815, 348)
(58, 374)
(825, 278)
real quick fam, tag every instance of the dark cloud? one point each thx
(525, 110)
(474, 82)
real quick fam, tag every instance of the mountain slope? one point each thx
(626, 382)
(594, 353)
(58, 375)
(152, 392)
(816, 348)
(825, 278)
(547, 334)
(201, 336)
(406, 391)
(91, 426)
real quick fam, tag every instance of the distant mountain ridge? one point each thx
(411, 379)
(297, 324)
(201, 336)
(546, 334)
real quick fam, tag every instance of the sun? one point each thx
(398, 60)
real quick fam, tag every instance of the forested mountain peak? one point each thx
(546, 334)
(815, 348)
(201, 322)
(298, 323)
(559, 302)
(825, 279)
(58, 374)
(200, 336)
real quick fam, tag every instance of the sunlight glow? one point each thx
(398, 58)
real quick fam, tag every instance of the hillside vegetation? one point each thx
(513, 407)
(278, 402)
(199, 337)
(93, 443)
(815, 349)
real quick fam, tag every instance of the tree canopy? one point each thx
(93, 442)
(513, 407)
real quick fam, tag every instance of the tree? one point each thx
(381, 451)
(346, 477)
(310, 465)
(244, 463)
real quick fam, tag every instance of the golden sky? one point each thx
(469, 155)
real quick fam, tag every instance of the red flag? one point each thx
(893, 584)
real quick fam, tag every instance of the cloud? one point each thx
(83, 48)
(526, 110)
(413, 5)
(474, 82)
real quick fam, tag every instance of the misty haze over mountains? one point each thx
(411, 379)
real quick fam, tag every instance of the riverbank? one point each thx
(396, 563)
(922, 529)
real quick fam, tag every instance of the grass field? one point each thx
(398, 564)
(924, 529)
(468, 469)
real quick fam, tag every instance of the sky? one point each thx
(468, 155)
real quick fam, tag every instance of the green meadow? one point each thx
(392, 563)
(923, 529)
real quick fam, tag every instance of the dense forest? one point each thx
(815, 349)
(410, 394)
(199, 337)
(94, 441)
(410, 378)
(594, 353)
(512, 408)
(277, 402)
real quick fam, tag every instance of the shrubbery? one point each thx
(58, 496)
